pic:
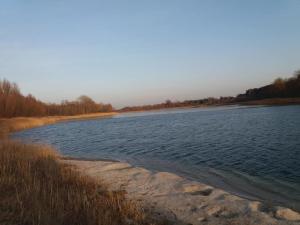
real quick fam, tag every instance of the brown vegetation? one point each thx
(273, 101)
(20, 123)
(281, 91)
(14, 104)
(188, 103)
(37, 189)
(280, 88)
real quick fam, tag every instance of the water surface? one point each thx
(250, 151)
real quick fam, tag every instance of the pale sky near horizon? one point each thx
(141, 52)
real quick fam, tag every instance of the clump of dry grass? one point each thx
(37, 189)
(20, 123)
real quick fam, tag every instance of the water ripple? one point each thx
(257, 146)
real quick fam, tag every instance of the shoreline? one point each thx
(272, 102)
(9, 125)
(171, 195)
(215, 178)
(87, 159)
(259, 102)
(180, 199)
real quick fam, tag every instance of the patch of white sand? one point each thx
(183, 201)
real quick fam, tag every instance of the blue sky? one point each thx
(139, 52)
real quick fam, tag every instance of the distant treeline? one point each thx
(280, 88)
(13, 104)
(187, 103)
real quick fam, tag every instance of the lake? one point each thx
(253, 152)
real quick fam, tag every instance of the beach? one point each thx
(167, 195)
(180, 200)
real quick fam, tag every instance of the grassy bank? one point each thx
(20, 123)
(37, 189)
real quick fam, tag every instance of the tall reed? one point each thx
(37, 189)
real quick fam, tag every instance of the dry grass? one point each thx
(36, 189)
(20, 123)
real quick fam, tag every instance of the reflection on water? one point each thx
(252, 151)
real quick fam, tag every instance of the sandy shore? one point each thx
(183, 201)
(168, 195)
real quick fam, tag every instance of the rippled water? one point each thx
(251, 151)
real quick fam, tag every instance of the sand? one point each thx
(168, 195)
(180, 200)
